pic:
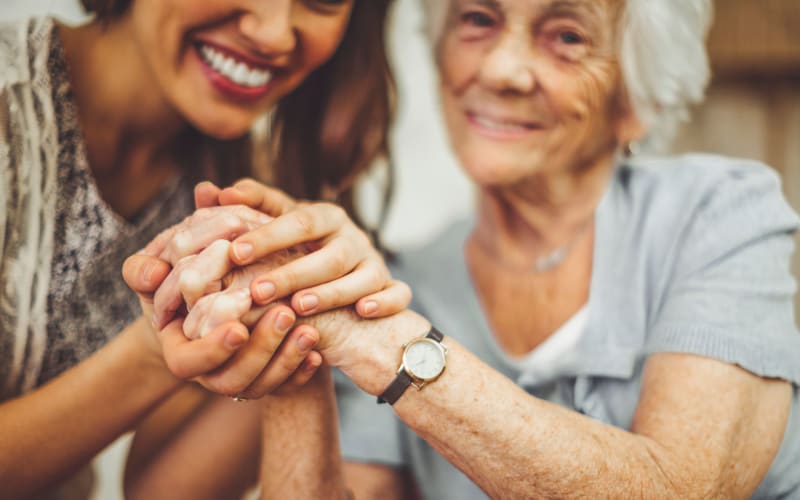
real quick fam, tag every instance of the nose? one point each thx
(269, 26)
(508, 66)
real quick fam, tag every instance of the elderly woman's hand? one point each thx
(228, 359)
(342, 269)
(216, 295)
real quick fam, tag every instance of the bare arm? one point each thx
(300, 443)
(50, 433)
(195, 446)
(688, 439)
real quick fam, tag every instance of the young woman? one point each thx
(105, 130)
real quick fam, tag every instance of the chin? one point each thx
(494, 170)
(223, 129)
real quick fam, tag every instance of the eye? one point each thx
(476, 24)
(477, 19)
(565, 41)
(328, 5)
(570, 38)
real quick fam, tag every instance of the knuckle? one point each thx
(288, 364)
(336, 212)
(284, 280)
(232, 224)
(376, 275)
(200, 214)
(246, 182)
(305, 222)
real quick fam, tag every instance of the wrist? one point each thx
(151, 363)
(369, 351)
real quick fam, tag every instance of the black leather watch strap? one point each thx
(396, 388)
(403, 379)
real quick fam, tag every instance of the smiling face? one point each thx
(532, 86)
(223, 63)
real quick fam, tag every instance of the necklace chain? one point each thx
(551, 260)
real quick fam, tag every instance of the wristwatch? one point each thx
(424, 359)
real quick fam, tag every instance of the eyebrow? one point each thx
(490, 4)
(586, 12)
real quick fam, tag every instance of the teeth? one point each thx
(233, 70)
(502, 126)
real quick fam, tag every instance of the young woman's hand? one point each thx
(342, 268)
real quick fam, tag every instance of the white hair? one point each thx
(662, 55)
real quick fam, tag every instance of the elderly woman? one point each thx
(613, 325)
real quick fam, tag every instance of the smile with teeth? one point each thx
(235, 71)
(501, 125)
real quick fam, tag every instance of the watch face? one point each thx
(424, 359)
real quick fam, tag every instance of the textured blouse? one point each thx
(61, 246)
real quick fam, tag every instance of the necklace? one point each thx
(542, 263)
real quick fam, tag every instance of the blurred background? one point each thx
(752, 110)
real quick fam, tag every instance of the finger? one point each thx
(305, 223)
(188, 359)
(391, 300)
(206, 194)
(369, 277)
(324, 265)
(258, 196)
(159, 243)
(285, 362)
(303, 374)
(216, 309)
(204, 272)
(247, 365)
(144, 274)
(192, 275)
(225, 223)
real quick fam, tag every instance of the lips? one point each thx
(232, 74)
(499, 126)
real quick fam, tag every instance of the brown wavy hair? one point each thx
(329, 130)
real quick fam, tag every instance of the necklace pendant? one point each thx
(551, 260)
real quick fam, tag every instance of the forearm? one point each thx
(300, 443)
(53, 431)
(534, 449)
(195, 446)
(514, 445)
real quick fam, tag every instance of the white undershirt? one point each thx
(547, 356)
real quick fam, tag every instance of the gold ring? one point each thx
(239, 399)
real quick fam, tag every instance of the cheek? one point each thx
(320, 41)
(585, 95)
(458, 63)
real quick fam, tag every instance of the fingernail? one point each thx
(310, 366)
(265, 290)
(308, 302)
(234, 339)
(370, 307)
(242, 251)
(283, 323)
(305, 343)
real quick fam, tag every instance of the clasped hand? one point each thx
(224, 287)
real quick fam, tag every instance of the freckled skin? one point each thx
(225, 305)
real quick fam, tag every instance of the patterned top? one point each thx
(87, 302)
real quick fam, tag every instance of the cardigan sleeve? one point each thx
(731, 293)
